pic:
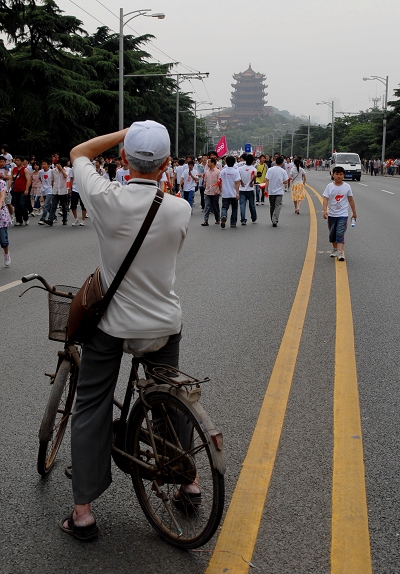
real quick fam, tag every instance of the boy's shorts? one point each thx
(7, 199)
(337, 228)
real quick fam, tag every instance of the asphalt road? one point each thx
(237, 288)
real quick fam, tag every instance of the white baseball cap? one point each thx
(147, 141)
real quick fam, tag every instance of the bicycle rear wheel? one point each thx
(56, 416)
(178, 451)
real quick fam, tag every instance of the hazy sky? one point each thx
(310, 50)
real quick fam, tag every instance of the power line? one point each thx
(150, 42)
(88, 13)
(208, 95)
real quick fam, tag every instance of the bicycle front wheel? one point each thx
(56, 416)
(166, 436)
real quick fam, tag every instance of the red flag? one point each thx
(222, 148)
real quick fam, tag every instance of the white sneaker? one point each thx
(340, 256)
(26, 222)
(76, 222)
(333, 253)
(82, 222)
(7, 260)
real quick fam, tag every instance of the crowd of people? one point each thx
(389, 167)
(241, 181)
(48, 190)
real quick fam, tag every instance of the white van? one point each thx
(350, 162)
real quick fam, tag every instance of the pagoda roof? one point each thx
(249, 73)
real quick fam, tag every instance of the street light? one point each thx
(384, 81)
(195, 125)
(135, 13)
(196, 76)
(331, 105)
(195, 121)
(278, 130)
(308, 134)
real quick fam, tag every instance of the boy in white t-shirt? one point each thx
(123, 174)
(46, 177)
(337, 198)
(230, 181)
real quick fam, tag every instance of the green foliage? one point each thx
(60, 85)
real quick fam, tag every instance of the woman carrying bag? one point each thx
(297, 180)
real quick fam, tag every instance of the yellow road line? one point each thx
(10, 285)
(236, 542)
(350, 544)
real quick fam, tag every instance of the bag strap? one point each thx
(133, 250)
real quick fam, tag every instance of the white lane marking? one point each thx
(10, 285)
(364, 184)
(386, 191)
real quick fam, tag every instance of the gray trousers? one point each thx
(91, 427)
(275, 204)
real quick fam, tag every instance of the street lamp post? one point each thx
(135, 13)
(384, 81)
(195, 126)
(292, 134)
(332, 106)
(278, 130)
(308, 134)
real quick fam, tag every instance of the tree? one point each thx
(61, 85)
(393, 127)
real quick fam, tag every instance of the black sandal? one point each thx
(187, 498)
(83, 533)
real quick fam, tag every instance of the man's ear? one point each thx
(165, 164)
(123, 156)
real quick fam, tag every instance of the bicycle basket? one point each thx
(58, 313)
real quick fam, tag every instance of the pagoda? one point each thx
(248, 97)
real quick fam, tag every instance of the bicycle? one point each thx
(164, 441)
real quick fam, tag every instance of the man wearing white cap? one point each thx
(144, 316)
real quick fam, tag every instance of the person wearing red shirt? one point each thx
(21, 182)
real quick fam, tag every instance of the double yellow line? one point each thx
(350, 538)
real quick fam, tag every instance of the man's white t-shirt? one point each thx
(276, 176)
(188, 181)
(71, 176)
(145, 305)
(338, 203)
(246, 172)
(123, 176)
(229, 175)
(60, 182)
(179, 170)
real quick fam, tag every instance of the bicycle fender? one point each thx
(213, 435)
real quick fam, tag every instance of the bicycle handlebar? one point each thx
(31, 276)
